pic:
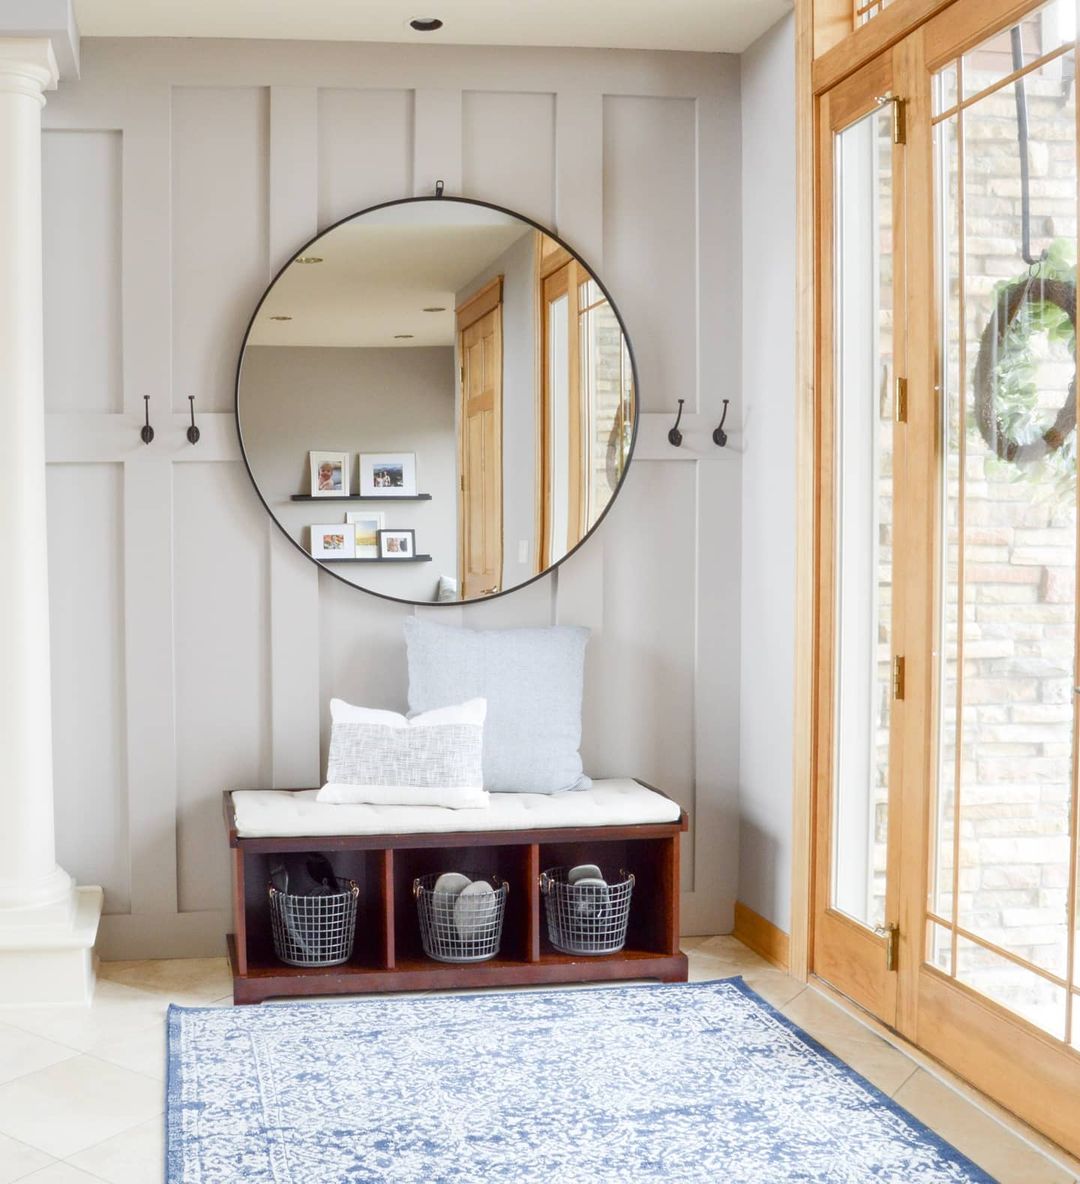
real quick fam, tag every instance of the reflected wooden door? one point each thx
(562, 503)
(480, 528)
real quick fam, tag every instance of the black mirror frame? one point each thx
(402, 201)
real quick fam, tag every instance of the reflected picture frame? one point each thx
(387, 474)
(330, 474)
(336, 540)
(396, 545)
(366, 525)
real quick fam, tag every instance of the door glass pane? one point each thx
(864, 520)
(1006, 982)
(1042, 32)
(866, 10)
(1008, 614)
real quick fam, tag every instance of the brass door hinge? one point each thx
(901, 400)
(897, 677)
(899, 121)
(892, 950)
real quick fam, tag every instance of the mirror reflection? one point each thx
(436, 400)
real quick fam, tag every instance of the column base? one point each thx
(51, 963)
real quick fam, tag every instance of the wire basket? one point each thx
(314, 930)
(586, 918)
(457, 928)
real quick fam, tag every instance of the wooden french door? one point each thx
(480, 526)
(946, 676)
(860, 517)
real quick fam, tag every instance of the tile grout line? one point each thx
(30, 1032)
(70, 1159)
(914, 1070)
(53, 1160)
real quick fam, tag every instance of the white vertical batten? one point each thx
(47, 926)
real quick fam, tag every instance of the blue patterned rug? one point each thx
(701, 1082)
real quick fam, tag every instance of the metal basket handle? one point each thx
(353, 887)
(498, 884)
(628, 876)
(545, 883)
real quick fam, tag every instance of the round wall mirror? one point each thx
(436, 400)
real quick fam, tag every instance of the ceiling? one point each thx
(380, 272)
(712, 26)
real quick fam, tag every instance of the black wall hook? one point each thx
(147, 432)
(438, 189)
(719, 435)
(675, 436)
(193, 432)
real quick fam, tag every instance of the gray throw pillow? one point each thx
(532, 680)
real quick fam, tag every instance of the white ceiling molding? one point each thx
(711, 26)
(50, 19)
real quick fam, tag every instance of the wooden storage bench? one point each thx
(387, 955)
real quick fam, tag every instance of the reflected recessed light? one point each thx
(401, 336)
(281, 318)
(425, 24)
(309, 259)
(435, 309)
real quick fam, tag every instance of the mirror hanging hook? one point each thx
(146, 433)
(193, 432)
(719, 435)
(675, 436)
(439, 188)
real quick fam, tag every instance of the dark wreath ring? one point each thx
(1062, 294)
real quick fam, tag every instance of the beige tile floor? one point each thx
(81, 1090)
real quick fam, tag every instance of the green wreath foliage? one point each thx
(1040, 333)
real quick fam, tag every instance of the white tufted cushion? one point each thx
(275, 813)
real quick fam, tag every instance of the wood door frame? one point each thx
(489, 298)
(826, 52)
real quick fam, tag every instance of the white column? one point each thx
(47, 926)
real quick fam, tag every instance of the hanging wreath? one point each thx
(1002, 336)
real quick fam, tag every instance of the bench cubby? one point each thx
(388, 955)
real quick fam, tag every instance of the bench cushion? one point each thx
(277, 813)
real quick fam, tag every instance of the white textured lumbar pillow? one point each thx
(382, 758)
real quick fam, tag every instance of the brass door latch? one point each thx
(892, 950)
